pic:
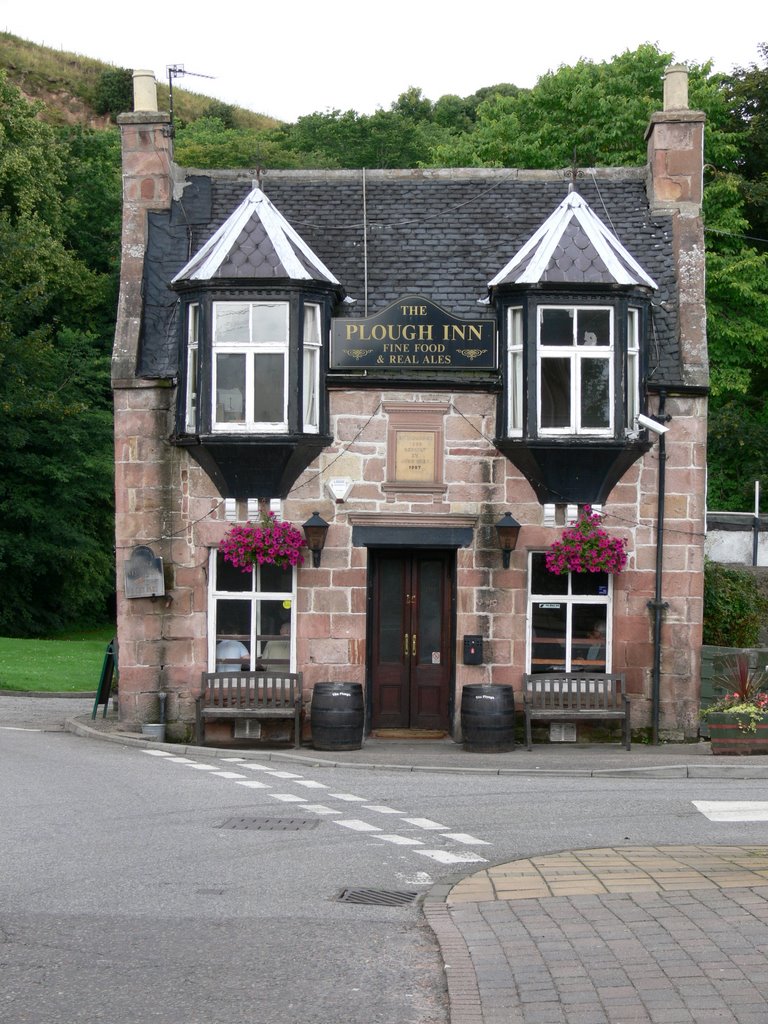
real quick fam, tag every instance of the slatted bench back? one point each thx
(584, 691)
(251, 691)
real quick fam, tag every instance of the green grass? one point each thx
(68, 663)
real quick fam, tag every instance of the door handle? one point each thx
(413, 645)
(406, 652)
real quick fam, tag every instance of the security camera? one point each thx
(650, 424)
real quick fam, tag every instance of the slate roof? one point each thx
(573, 246)
(441, 234)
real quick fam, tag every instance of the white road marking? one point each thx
(282, 775)
(311, 784)
(356, 825)
(425, 823)
(204, 767)
(320, 809)
(255, 767)
(444, 857)
(253, 784)
(733, 810)
(464, 837)
(288, 798)
(350, 797)
(400, 840)
(180, 760)
(382, 809)
(228, 775)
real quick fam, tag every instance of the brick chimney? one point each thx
(147, 154)
(675, 140)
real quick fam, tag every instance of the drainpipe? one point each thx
(657, 604)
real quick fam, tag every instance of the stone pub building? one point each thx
(415, 356)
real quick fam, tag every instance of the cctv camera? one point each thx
(650, 424)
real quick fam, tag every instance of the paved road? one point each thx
(661, 934)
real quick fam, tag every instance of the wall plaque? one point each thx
(412, 334)
(144, 573)
(415, 455)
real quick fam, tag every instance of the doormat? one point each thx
(409, 734)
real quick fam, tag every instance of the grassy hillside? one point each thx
(66, 83)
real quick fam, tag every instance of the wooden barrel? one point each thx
(488, 718)
(337, 716)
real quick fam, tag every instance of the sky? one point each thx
(298, 57)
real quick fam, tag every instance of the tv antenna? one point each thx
(174, 71)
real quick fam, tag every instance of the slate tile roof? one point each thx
(443, 234)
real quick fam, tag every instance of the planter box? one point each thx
(727, 738)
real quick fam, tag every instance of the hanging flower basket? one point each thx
(586, 547)
(270, 542)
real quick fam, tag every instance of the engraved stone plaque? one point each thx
(144, 573)
(415, 455)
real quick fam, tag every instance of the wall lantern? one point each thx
(507, 530)
(315, 532)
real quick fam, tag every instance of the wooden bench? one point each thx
(233, 696)
(571, 696)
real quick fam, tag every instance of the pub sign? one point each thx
(412, 334)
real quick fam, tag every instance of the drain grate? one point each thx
(270, 824)
(378, 897)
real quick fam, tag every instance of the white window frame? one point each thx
(251, 346)
(632, 390)
(576, 355)
(193, 388)
(571, 601)
(255, 597)
(311, 346)
(515, 371)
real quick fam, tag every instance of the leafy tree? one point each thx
(55, 420)
(114, 92)
(748, 101)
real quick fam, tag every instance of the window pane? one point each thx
(555, 393)
(270, 321)
(543, 582)
(593, 327)
(270, 620)
(595, 394)
(594, 583)
(429, 612)
(589, 638)
(230, 388)
(312, 324)
(556, 327)
(548, 621)
(268, 387)
(230, 578)
(516, 391)
(310, 387)
(274, 580)
(233, 623)
(230, 322)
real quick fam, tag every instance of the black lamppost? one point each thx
(315, 532)
(507, 531)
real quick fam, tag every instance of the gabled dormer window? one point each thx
(250, 367)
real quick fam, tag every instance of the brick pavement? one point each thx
(640, 935)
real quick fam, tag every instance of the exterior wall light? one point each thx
(507, 530)
(315, 532)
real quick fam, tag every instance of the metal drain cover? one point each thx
(271, 824)
(378, 897)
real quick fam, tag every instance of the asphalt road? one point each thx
(123, 897)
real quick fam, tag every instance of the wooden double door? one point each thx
(411, 639)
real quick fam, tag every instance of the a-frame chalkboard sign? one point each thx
(107, 675)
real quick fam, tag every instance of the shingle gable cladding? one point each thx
(442, 234)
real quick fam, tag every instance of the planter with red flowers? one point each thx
(587, 547)
(270, 542)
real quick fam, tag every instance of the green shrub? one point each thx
(733, 607)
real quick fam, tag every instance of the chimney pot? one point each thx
(676, 87)
(144, 90)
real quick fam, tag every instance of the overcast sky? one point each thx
(297, 57)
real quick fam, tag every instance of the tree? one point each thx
(56, 565)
